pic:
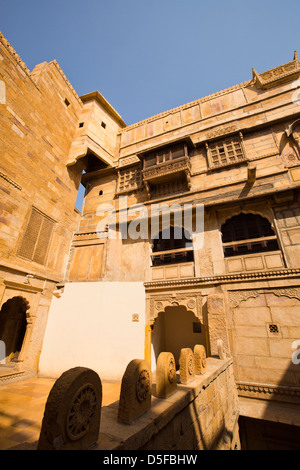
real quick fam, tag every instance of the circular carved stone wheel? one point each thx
(81, 412)
(172, 370)
(143, 385)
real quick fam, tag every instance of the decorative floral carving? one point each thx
(219, 131)
(272, 76)
(143, 385)
(158, 304)
(81, 412)
(191, 303)
(172, 370)
(127, 161)
(179, 165)
(191, 365)
(236, 297)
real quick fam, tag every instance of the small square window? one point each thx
(67, 102)
(196, 327)
(273, 328)
(81, 124)
(103, 125)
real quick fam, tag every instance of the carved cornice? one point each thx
(82, 238)
(88, 235)
(267, 389)
(221, 130)
(224, 279)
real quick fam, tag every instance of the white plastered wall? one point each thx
(91, 325)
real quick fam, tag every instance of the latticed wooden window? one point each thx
(171, 246)
(129, 179)
(248, 233)
(227, 152)
(34, 245)
(165, 154)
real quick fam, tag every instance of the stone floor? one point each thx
(22, 407)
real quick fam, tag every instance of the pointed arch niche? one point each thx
(14, 318)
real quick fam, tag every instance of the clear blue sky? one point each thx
(146, 57)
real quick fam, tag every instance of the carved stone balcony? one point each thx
(278, 75)
(168, 173)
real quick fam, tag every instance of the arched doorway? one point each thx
(13, 323)
(176, 328)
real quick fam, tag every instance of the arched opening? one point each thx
(248, 233)
(176, 328)
(172, 245)
(13, 325)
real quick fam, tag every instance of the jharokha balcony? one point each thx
(167, 171)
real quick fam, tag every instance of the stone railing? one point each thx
(194, 408)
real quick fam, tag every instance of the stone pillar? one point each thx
(217, 327)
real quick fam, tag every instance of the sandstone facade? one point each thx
(234, 154)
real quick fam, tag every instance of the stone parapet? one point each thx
(200, 415)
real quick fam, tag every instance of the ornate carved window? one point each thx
(248, 233)
(171, 246)
(225, 152)
(130, 179)
(165, 154)
(166, 170)
(36, 240)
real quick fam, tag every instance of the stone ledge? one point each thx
(225, 278)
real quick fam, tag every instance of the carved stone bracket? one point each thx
(236, 297)
(158, 303)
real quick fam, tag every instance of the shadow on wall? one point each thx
(268, 369)
(174, 329)
(279, 426)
